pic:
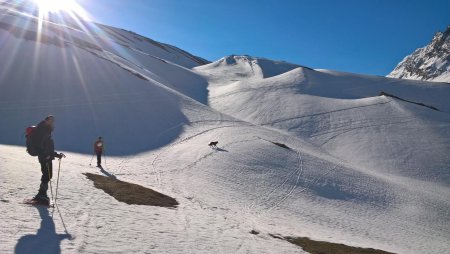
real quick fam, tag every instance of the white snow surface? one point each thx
(362, 169)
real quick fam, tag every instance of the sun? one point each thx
(71, 7)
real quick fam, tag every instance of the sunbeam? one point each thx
(46, 6)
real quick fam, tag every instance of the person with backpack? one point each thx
(98, 149)
(42, 142)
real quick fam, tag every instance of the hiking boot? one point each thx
(42, 199)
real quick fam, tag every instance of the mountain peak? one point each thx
(237, 67)
(233, 59)
(431, 63)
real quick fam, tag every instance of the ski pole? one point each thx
(104, 152)
(50, 179)
(106, 166)
(91, 160)
(57, 181)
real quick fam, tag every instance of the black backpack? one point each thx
(29, 136)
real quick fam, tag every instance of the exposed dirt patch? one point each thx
(281, 145)
(321, 247)
(131, 193)
(254, 232)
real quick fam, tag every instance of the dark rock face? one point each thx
(431, 63)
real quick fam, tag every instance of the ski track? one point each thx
(324, 113)
(157, 158)
(294, 186)
(251, 209)
(267, 197)
(344, 131)
(160, 157)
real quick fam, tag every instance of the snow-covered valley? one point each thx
(301, 152)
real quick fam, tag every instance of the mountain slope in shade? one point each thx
(94, 79)
(431, 63)
(68, 26)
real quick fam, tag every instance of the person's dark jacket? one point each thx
(44, 142)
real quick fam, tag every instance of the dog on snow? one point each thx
(213, 144)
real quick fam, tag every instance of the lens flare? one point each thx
(46, 7)
(54, 5)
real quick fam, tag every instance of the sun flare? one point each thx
(56, 5)
(71, 7)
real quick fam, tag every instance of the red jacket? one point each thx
(98, 146)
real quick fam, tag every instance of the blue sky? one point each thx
(360, 36)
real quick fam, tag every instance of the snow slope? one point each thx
(157, 117)
(401, 143)
(88, 86)
(343, 114)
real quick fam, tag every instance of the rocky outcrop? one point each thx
(430, 63)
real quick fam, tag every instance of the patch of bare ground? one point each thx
(281, 145)
(322, 247)
(131, 193)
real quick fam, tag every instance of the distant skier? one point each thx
(43, 143)
(98, 149)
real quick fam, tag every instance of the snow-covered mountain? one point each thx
(342, 113)
(66, 62)
(301, 152)
(431, 63)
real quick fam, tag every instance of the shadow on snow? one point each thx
(46, 240)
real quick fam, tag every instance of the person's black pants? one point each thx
(47, 173)
(99, 158)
